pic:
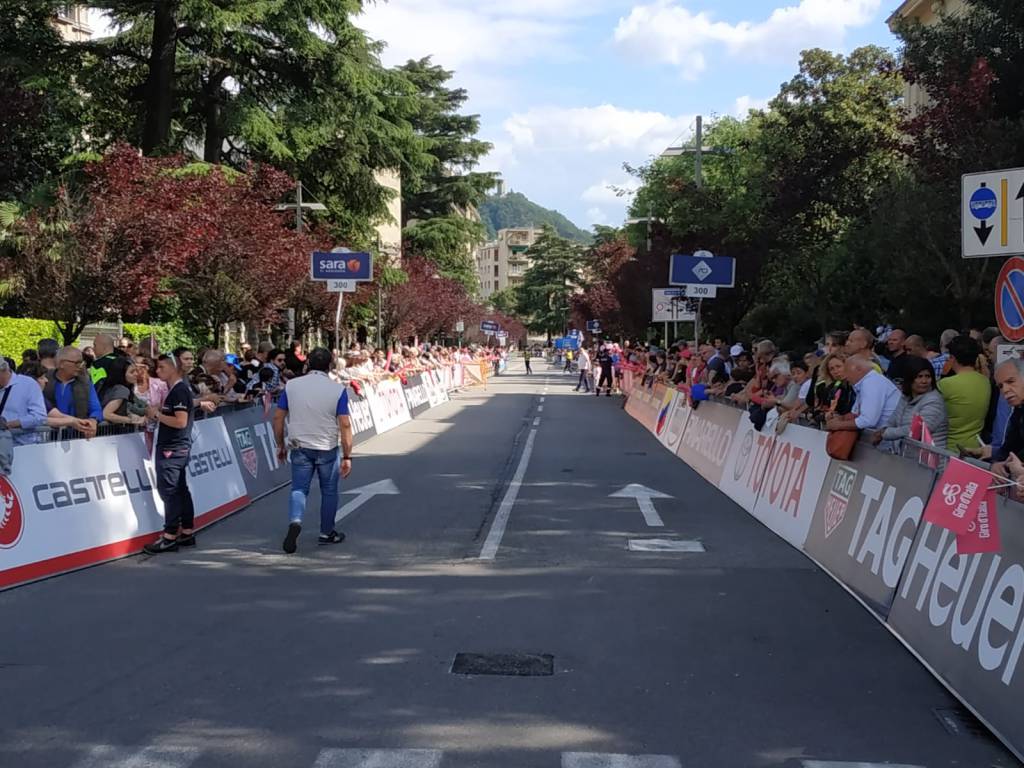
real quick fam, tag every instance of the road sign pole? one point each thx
(696, 323)
(337, 322)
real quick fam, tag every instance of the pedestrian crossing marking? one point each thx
(602, 760)
(378, 758)
(106, 756)
(832, 764)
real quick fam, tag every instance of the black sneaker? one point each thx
(289, 540)
(186, 539)
(163, 544)
(331, 538)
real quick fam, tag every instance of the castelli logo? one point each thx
(12, 521)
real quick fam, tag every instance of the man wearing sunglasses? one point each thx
(70, 392)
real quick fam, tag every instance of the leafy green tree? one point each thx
(505, 301)
(554, 275)
(446, 241)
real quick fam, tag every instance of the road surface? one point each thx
(340, 657)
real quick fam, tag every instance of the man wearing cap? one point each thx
(604, 359)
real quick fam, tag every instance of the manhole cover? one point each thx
(959, 722)
(512, 664)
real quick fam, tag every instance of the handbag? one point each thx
(839, 444)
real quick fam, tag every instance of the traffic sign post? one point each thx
(669, 305)
(992, 214)
(341, 264)
(1009, 299)
(692, 291)
(341, 286)
(702, 268)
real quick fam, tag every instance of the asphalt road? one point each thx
(340, 657)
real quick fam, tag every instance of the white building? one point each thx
(501, 263)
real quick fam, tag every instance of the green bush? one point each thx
(169, 336)
(18, 334)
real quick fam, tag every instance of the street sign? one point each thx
(489, 326)
(502, 334)
(594, 326)
(1006, 352)
(341, 286)
(1009, 299)
(669, 305)
(575, 333)
(460, 327)
(693, 291)
(993, 213)
(702, 268)
(341, 266)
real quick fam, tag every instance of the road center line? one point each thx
(542, 399)
(536, 422)
(497, 532)
(540, 409)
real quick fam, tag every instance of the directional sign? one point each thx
(342, 286)
(363, 495)
(699, 291)
(669, 305)
(341, 266)
(1006, 352)
(643, 496)
(702, 268)
(502, 334)
(489, 326)
(993, 213)
(460, 327)
(1010, 299)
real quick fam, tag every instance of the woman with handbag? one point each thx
(877, 400)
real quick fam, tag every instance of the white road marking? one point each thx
(493, 541)
(536, 421)
(643, 496)
(601, 760)
(665, 545)
(831, 764)
(363, 495)
(540, 409)
(542, 399)
(378, 758)
(106, 756)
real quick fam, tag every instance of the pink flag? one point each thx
(916, 427)
(956, 497)
(983, 534)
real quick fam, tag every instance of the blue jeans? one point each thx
(325, 463)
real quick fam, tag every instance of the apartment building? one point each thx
(72, 21)
(926, 12)
(501, 263)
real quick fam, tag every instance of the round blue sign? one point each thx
(983, 203)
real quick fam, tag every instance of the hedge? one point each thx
(18, 334)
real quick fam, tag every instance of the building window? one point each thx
(495, 270)
(66, 11)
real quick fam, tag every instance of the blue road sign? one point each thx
(489, 326)
(702, 269)
(1010, 299)
(567, 343)
(983, 203)
(342, 266)
(594, 326)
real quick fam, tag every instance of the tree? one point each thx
(447, 241)
(607, 285)
(553, 277)
(426, 303)
(505, 301)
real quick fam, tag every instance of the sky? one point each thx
(569, 90)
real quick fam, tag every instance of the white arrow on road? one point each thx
(364, 494)
(643, 496)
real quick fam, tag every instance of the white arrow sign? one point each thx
(643, 496)
(363, 495)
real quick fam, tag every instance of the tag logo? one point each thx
(839, 498)
(12, 520)
(247, 450)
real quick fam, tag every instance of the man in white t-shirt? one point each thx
(584, 363)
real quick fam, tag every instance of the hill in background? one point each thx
(516, 210)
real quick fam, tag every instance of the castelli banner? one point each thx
(964, 616)
(866, 519)
(957, 495)
(708, 439)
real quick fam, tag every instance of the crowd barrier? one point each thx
(75, 503)
(860, 520)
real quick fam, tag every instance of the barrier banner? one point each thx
(674, 424)
(252, 438)
(746, 463)
(473, 374)
(360, 416)
(434, 390)
(867, 516)
(416, 394)
(387, 404)
(214, 475)
(708, 438)
(666, 406)
(964, 616)
(793, 478)
(958, 494)
(73, 504)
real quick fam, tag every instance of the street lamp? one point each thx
(698, 150)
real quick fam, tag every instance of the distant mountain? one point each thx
(516, 210)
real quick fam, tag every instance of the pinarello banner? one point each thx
(708, 438)
(865, 522)
(964, 616)
(416, 395)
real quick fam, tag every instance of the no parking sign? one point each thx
(1009, 299)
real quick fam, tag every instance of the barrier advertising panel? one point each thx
(865, 522)
(214, 476)
(643, 406)
(964, 615)
(666, 405)
(708, 438)
(746, 463)
(416, 394)
(360, 416)
(387, 404)
(252, 438)
(792, 482)
(72, 504)
(675, 423)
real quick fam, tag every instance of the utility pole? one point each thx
(698, 151)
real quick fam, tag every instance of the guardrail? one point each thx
(862, 522)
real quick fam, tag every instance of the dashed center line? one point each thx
(497, 532)
(540, 409)
(542, 399)
(536, 422)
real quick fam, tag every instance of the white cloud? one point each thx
(666, 31)
(596, 129)
(604, 191)
(596, 216)
(744, 104)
